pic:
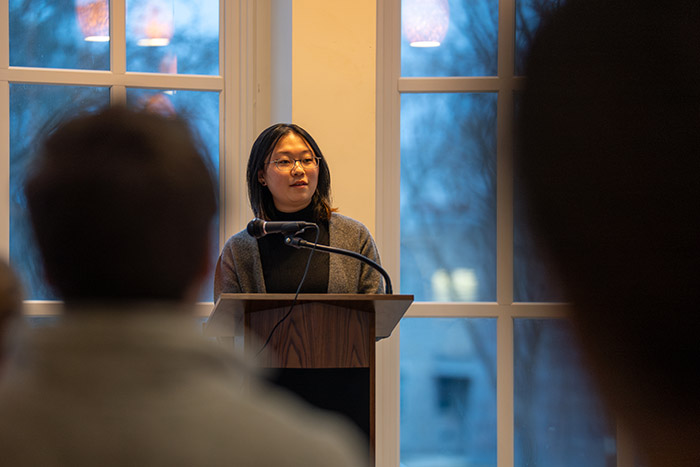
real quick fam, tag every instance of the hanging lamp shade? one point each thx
(93, 19)
(153, 22)
(425, 22)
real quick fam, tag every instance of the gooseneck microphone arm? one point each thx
(297, 242)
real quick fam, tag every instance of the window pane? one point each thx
(60, 34)
(201, 109)
(173, 36)
(528, 14)
(448, 196)
(558, 418)
(448, 392)
(34, 109)
(467, 33)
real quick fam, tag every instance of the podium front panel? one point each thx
(315, 335)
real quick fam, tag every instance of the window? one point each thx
(68, 56)
(461, 247)
(448, 391)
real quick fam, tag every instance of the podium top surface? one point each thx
(227, 317)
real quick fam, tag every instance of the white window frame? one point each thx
(390, 87)
(235, 84)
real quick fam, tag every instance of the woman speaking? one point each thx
(289, 180)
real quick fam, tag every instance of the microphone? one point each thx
(297, 242)
(259, 228)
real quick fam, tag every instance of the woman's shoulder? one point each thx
(347, 224)
(240, 239)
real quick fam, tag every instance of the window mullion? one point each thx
(117, 95)
(388, 180)
(505, 392)
(4, 170)
(4, 34)
(117, 45)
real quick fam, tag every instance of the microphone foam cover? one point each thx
(255, 228)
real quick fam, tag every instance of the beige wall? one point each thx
(333, 94)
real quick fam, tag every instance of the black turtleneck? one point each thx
(343, 390)
(283, 265)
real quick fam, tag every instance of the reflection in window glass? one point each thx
(201, 109)
(528, 14)
(59, 34)
(34, 110)
(172, 36)
(448, 196)
(558, 418)
(448, 392)
(450, 38)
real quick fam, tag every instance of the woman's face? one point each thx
(293, 189)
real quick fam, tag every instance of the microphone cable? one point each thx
(296, 295)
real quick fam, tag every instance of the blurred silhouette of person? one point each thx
(122, 204)
(10, 310)
(609, 133)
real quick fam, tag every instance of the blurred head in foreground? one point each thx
(121, 203)
(609, 133)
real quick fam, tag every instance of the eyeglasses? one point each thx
(286, 165)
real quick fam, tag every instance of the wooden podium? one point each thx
(323, 332)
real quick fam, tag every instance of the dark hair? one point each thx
(121, 203)
(260, 197)
(609, 140)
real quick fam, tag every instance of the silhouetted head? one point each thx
(121, 203)
(609, 144)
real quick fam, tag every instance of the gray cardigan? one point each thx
(239, 269)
